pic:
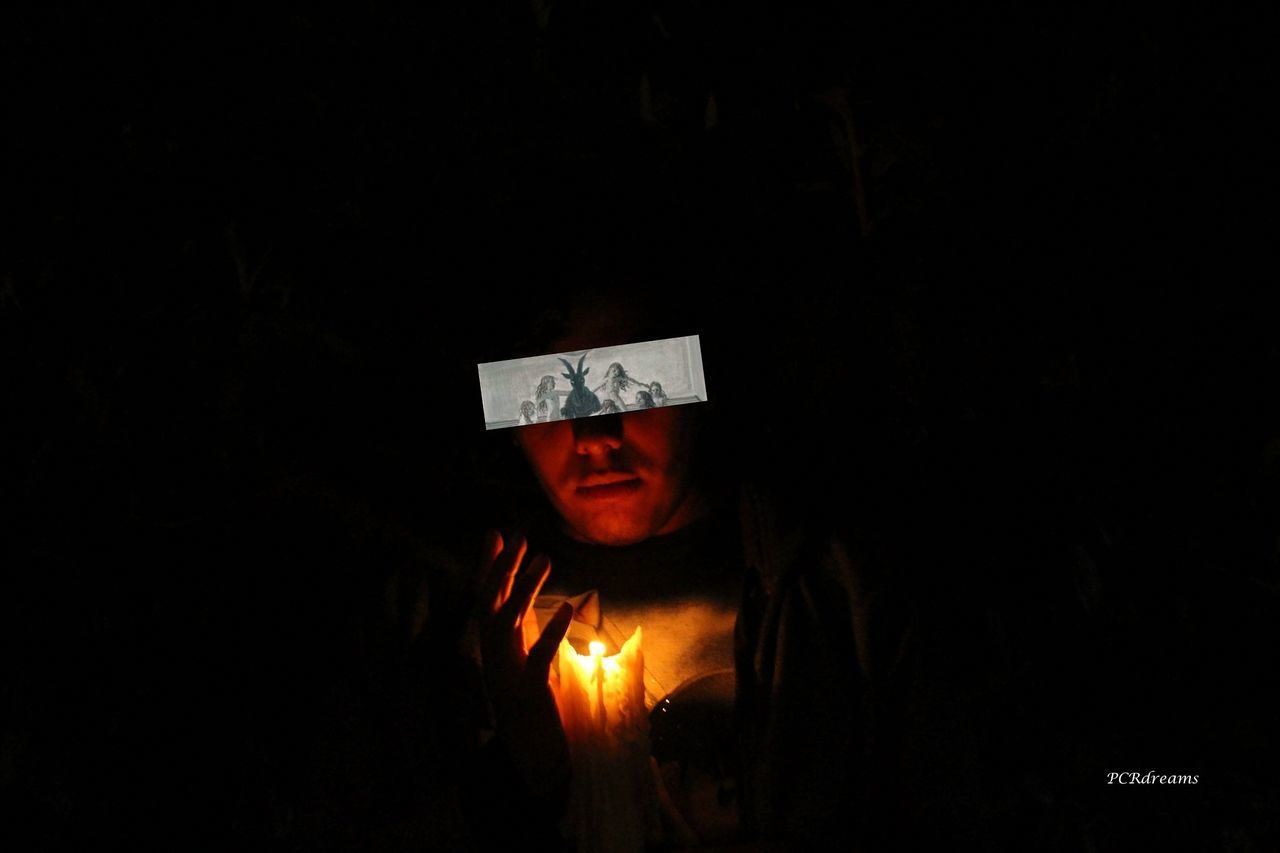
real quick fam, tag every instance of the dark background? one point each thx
(250, 261)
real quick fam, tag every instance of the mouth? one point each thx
(608, 486)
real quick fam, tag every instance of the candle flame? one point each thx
(596, 648)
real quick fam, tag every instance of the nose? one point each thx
(597, 435)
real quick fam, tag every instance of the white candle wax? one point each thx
(612, 801)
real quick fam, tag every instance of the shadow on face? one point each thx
(617, 479)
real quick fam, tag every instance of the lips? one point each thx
(608, 486)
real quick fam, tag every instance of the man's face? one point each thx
(617, 479)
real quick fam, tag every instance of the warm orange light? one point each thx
(612, 802)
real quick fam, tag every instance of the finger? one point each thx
(489, 552)
(541, 572)
(527, 622)
(540, 656)
(523, 592)
(514, 551)
(505, 568)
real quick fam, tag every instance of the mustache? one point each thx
(620, 465)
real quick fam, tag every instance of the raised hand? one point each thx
(528, 722)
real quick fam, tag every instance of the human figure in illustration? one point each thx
(644, 400)
(608, 407)
(616, 385)
(528, 414)
(547, 399)
(656, 393)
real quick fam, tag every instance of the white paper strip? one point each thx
(586, 383)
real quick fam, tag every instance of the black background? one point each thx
(251, 259)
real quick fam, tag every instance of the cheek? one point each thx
(657, 436)
(545, 446)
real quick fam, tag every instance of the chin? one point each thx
(613, 529)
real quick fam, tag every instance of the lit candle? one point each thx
(597, 656)
(612, 801)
